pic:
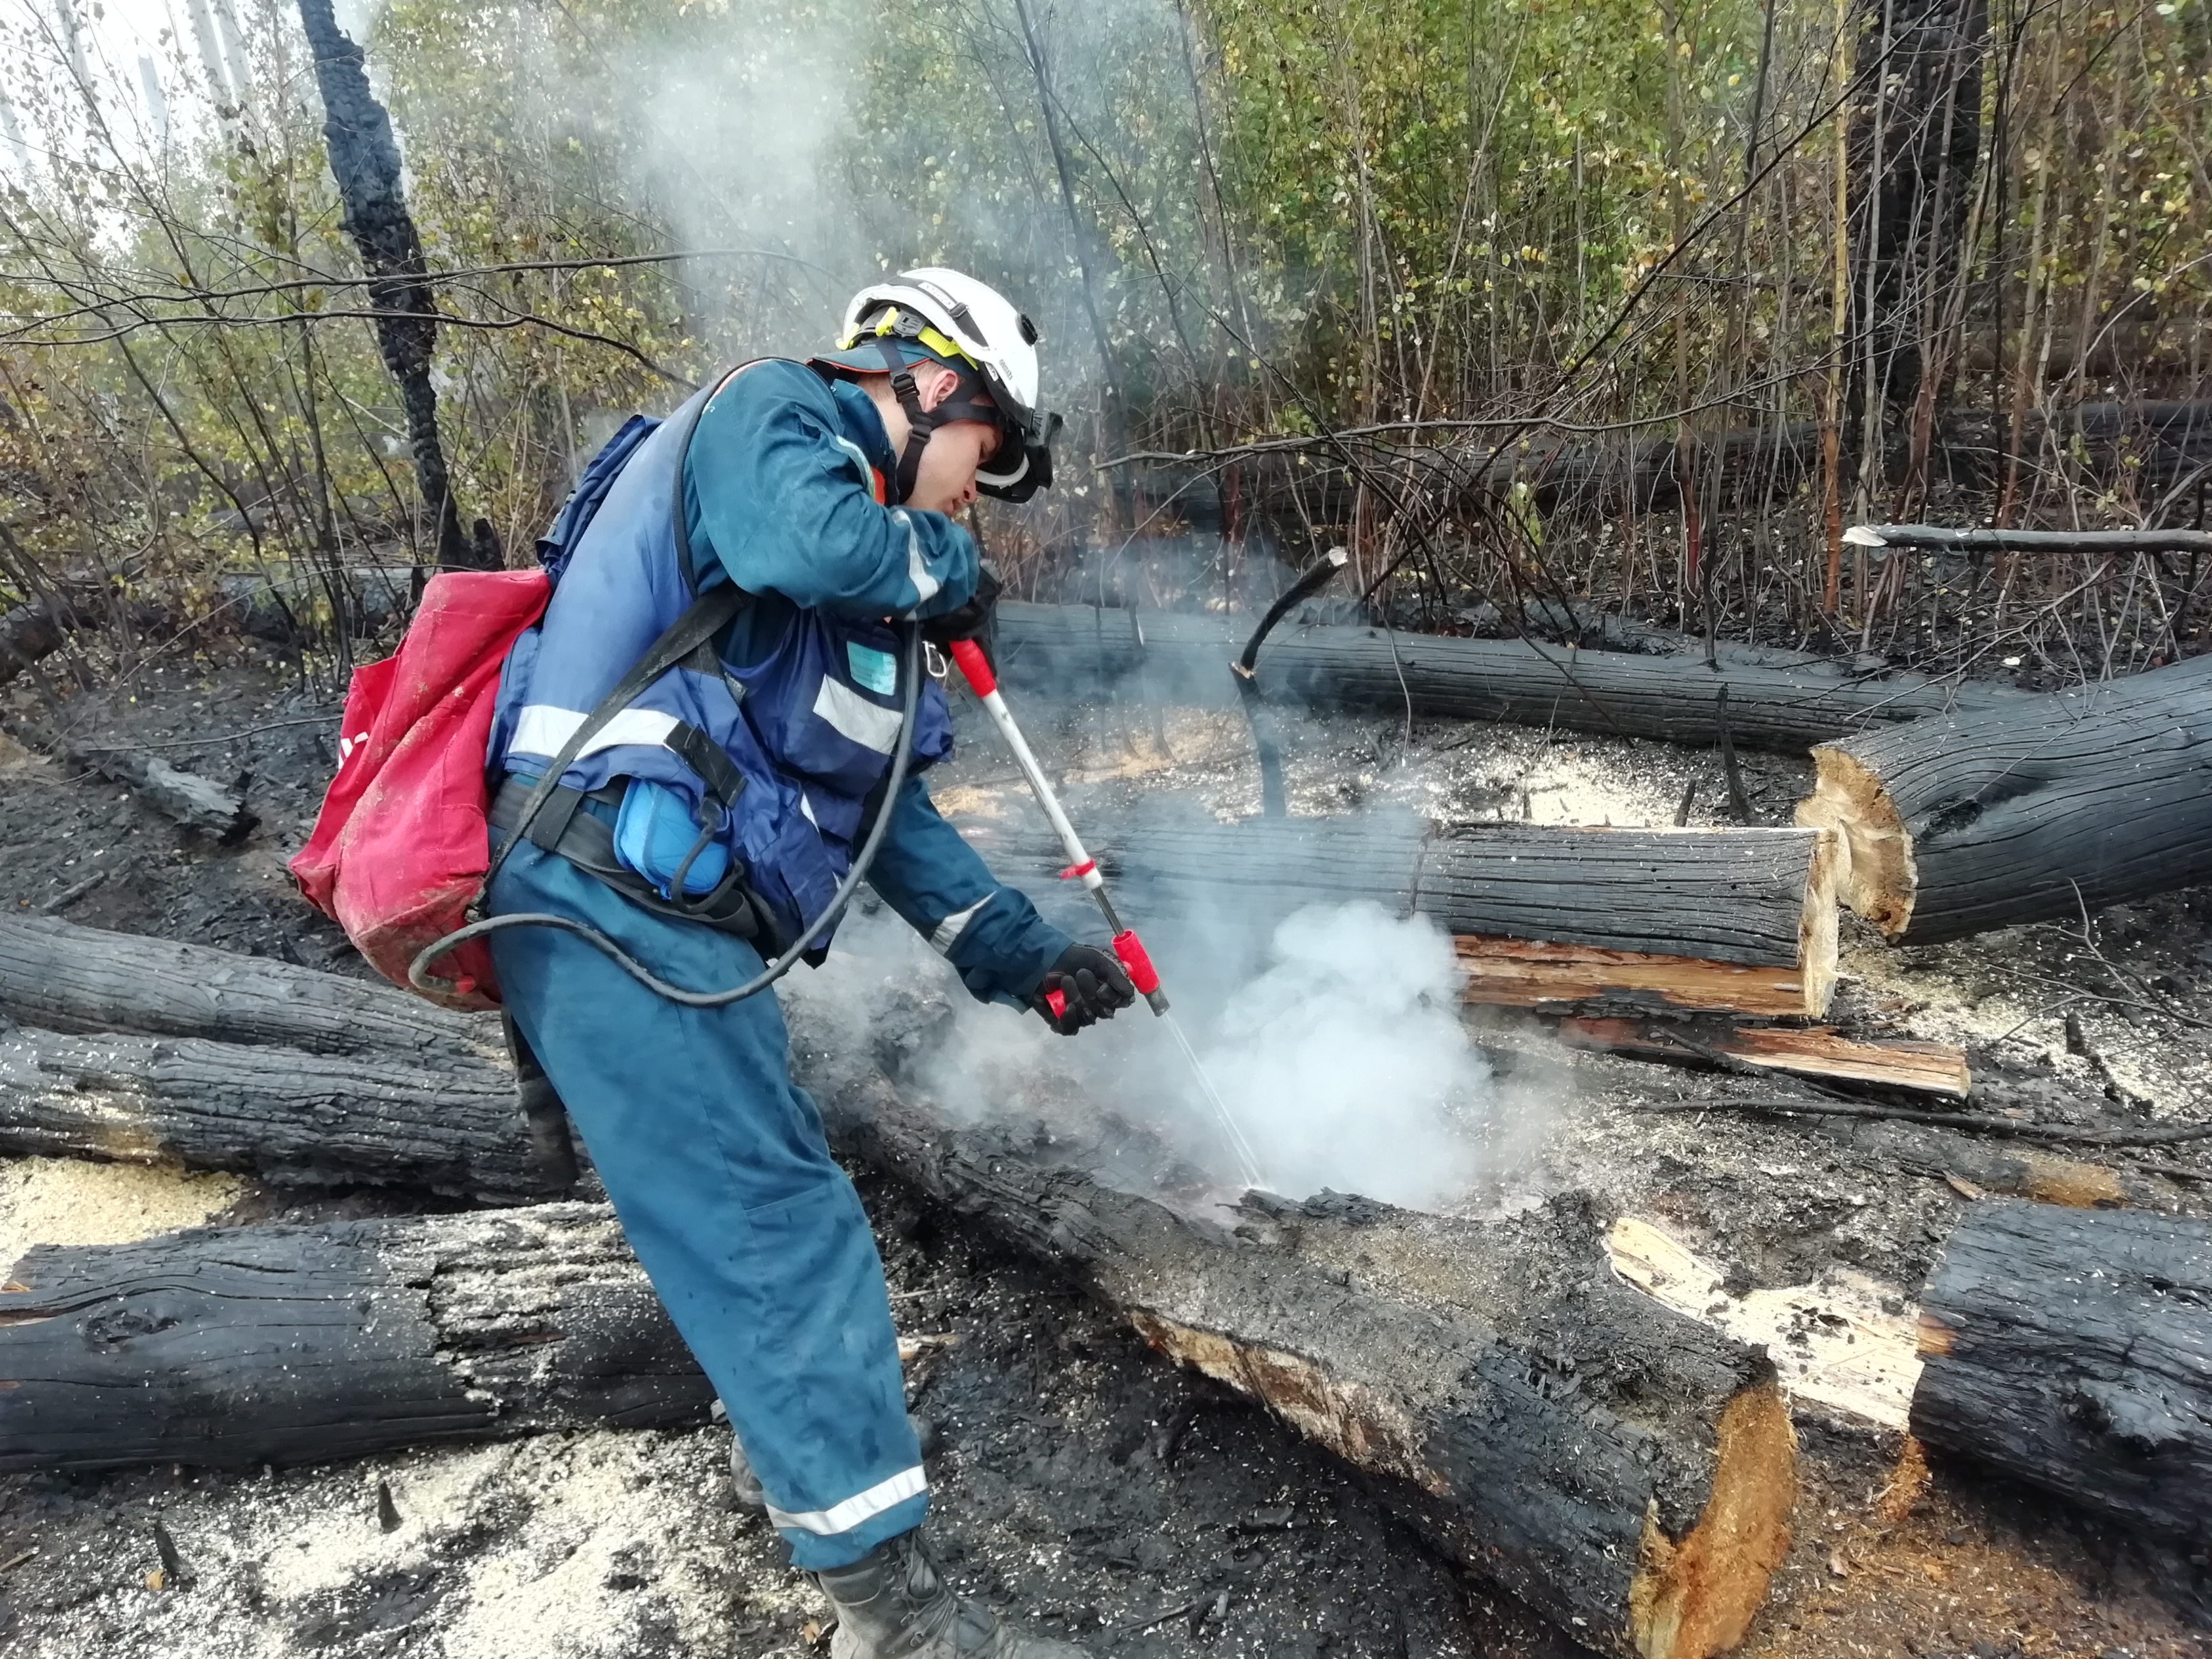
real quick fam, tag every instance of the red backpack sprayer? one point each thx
(976, 669)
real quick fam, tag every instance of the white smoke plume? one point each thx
(1337, 1046)
(1346, 1064)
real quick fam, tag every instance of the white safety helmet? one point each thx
(933, 312)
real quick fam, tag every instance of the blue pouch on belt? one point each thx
(656, 836)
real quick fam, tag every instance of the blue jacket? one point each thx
(782, 495)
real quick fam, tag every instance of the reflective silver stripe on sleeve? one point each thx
(949, 930)
(925, 585)
(542, 729)
(860, 1507)
(867, 469)
(854, 717)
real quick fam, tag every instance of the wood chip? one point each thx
(1964, 1187)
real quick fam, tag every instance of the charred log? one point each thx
(1071, 651)
(234, 1347)
(1733, 920)
(2073, 1349)
(1965, 824)
(32, 632)
(143, 1050)
(215, 810)
(1626, 1470)
(67, 978)
(287, 1117)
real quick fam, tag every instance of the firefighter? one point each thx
(705, 827)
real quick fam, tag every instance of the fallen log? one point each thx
(1958, 825)
(1930, 537)
(200, 804)
(286, 1117)
(68, 978)
(2073, 1350)
(229, 1347)
(1818, 1051)
(1071, 651)
(32, 631)
(142, 1050)
(1740, 920)
(1623, 1469)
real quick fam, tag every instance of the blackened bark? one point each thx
(2073, 1349)
(1913, 148)
(365, 161)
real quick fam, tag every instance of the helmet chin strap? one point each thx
(920, 422)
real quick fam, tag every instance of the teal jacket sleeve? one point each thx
(778, 484)
(991, 935)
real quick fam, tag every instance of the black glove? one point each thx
(1091, 985)
(972, 621)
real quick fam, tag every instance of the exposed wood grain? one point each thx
(1512, 973)
(1817, 1051)
(1968, 822)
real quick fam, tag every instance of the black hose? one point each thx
(1273, 803)
(774, 971)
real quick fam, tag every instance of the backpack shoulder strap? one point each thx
(706, 615)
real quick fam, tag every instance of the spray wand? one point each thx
(975, 668)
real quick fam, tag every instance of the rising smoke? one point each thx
(1335, 1041)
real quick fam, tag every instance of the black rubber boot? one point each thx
(890, 1604)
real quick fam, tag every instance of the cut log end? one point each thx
(1518, 973)
(1816, 929)
(1872, 854)
(1695, 1596)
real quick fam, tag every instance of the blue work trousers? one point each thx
(717, 1165)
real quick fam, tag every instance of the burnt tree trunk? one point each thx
(2073, 1349)
(1072, 651)
(1912, 148)
(1626, 1471)
(1738, 920)
(289, 1118)
(67, 978)
(365, 161)
(142, 1050)
(1955, 826)
(234, 1347)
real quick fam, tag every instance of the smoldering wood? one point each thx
(2072, 1349)
(230, 1347)
(285, 1116)
(1077, 651)
(2004, 816)
(1626, 1471)
(1755, 905)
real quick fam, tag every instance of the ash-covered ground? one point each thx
(1120, 1500)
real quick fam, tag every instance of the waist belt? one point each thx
(587, 842)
